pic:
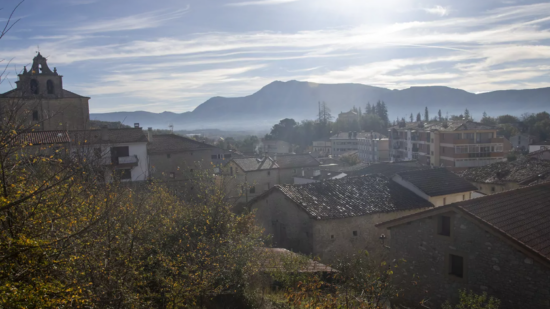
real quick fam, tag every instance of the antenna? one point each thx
(171, 126)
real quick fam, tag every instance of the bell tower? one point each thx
(40, 80)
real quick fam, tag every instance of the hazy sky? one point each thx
(172, 55)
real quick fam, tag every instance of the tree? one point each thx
(440, 118)
(467, 114)
(471, 300)
(411, 117)
(426, 115)
(418, 117)
(507, 119)
(283, 131)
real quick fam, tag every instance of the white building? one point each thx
(539, 146)
(374, 147)
(323, 148)
(345, 142)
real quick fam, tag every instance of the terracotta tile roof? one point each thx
(298, 160)
(255, 164)
(45, 137)
(523, 171)
(172, 143)
(437, 181)
(111, 136)
(520, 215)
(352, 196)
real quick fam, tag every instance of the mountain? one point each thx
(299, 100)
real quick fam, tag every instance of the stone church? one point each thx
(40, 99)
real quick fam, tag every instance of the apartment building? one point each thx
(323, 148)
(449, 144)
(345, 142)
(374, 147)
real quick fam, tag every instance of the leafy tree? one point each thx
(471, 300)
(467, 114)
(418, 117)
(507, 119)
(411, 117)
(440, 118)
(426, 114)
(282, 131)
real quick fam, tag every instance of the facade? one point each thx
(345, 142)
(177, 157)
(521, 142)
(496, 244)
(271, 147)
(250, 177)
(123, 152)
(290, 166)
(315, 219)
(43, 102)
(504, 176)
(452, 144)
(348, 117)
(539, 146)
(439, 186)
(374, 147)
(323, 148)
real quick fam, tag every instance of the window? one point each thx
(456, 266)
(168, 155)
(463, 197)
(34, 86)
(117, 152)
(213, 157)
(354, 233)
(252, 190)
(492, 189)
(444, 225)
(172, 175)
(49, 87)
(35, 115)
(125, 174)
(458, 135)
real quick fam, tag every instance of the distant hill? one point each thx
(299, 100)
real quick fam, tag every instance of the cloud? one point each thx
(134, 22)
(438, 10)
(261, 2)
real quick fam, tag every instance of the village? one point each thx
(466, 207)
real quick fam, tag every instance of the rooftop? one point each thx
(523, 171)
(351, 197)
(255, 164)
(45, 137)
(296, 160)
(445, 126)
(437, 181)
(108, 136)
(520, 215)
(172, 143)
(345, 135)
(386, 169)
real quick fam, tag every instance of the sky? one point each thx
(172, 55)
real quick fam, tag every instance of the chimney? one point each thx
(136, 125)
(150, 134)
(104, 133)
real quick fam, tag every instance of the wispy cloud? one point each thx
(438, 10)
(260, 2)
(133, 22)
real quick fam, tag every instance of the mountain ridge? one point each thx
(299, 100)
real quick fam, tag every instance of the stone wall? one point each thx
(491, 265)
(181, 163)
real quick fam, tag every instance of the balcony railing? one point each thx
(129, 160)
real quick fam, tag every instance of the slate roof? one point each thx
(113, 136)
(15, 93)
(520, 215)
(172, 143)
(437, 181)
(45, 137)
(351, 197)
(255, 164)
(294, 161)
(386, 169)
(522, 171)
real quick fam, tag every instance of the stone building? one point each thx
(438, 185)
(41, 100)
(333, 217)
(374, 147)
(504, 176)
(521, 142)
(290, 166)
(176, 157)
(497, 244)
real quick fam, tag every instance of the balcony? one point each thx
(124, 161)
